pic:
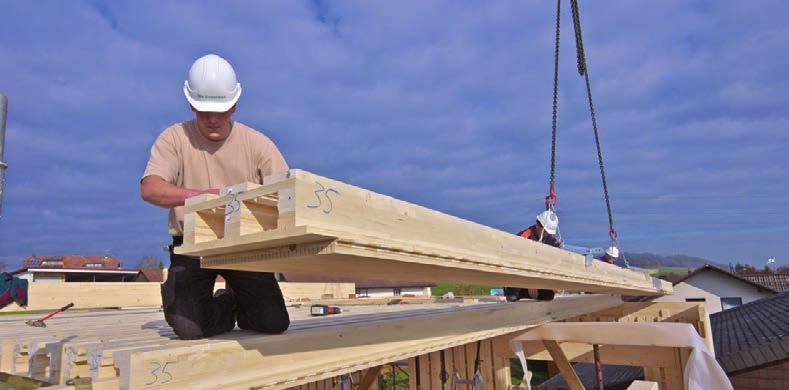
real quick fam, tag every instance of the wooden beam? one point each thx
(295, 358)
(564, 365)
(332, 228)
(685, 312)
(626, 355)
(369, 377)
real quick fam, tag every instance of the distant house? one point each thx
(777, 282)
(42, 269)
(717, 288)
(368, 287)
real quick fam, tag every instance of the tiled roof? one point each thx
(777, 282)
(753, 334)
(613, 376)
(71, 261)
(153, 274)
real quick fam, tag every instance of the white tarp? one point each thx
(702, 371)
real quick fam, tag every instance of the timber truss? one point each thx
(301, 222)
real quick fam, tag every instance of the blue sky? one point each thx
(441, 103)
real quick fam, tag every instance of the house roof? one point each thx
(777, 282)
(360, 283)
(153, 274)
(752, 335)
(71, 261)
(613, 376)
(709, 267)
(76, 270)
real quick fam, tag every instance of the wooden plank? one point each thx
(424, 372)
(370, 376)
(643, 385)
(611, 354)
(449, 363)
(435, 371)
(413, 373)
(333, 228)
(471, 351)
(486, 365)
(673, 373)
(686, 312)
(501, 362)
(459, 361)
(295, 358)
(312, 350)
(564, 365)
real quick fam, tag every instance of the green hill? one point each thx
(652, 261)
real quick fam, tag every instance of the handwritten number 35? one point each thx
(161, 369)
(321, 190)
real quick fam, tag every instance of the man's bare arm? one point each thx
(157, 191)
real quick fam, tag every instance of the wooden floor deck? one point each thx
(132, 349)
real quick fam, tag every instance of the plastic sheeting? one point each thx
(701, 372)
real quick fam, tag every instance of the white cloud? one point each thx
(440, 103)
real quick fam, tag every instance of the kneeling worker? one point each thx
(544, 231)
(199, 156)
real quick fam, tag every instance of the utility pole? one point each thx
(3, 165)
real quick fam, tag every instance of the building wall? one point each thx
(711, 286)
(767, 378)
(48, 278)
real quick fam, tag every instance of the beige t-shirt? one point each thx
(183, 157)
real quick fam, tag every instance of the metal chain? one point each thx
(584, 71)
(579, 41)
(551, 199)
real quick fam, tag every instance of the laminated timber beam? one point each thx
(301, 222)
(300, 357)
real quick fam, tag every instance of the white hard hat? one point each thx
(549, 221)
(612, 251)
(212, 84)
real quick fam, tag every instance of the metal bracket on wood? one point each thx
(476, 382)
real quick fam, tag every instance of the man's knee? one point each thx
(271, 324)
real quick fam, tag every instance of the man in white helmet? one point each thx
(544, 230)
(200, 156)
(610, 255)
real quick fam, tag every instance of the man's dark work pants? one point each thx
(193, 312)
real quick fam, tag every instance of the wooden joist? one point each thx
(139, 351)
(295, 358)
(558, 356)
(301, 222)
